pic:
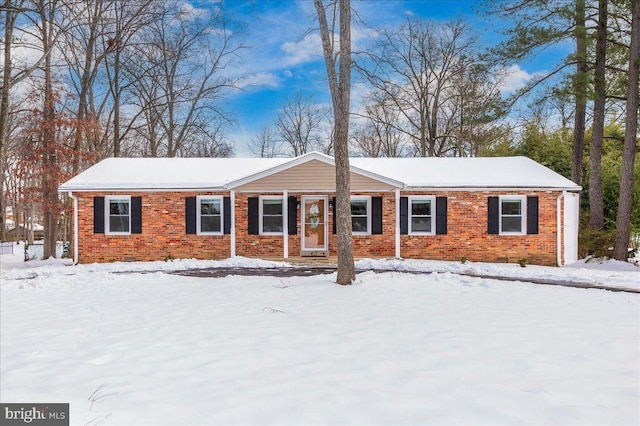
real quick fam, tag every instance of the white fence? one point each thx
(6, 248)
(35, 251)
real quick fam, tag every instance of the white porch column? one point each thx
(285, 222)
(397, 223)
(232, 196)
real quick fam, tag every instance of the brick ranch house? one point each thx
(481, 209)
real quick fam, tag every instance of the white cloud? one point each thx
(287, 73)
(260, 79)
(513, 78)
(189, 12)
(306, 50)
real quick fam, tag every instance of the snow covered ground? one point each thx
(146, 347)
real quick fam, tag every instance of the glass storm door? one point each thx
(314, 223)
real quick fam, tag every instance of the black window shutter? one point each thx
(292, 218)
(136, 215)
(334, 215)
(441, 215)
(532, 215)
(493, 210)
(98, 215)
(376, 215)
(227, 214)
(253, 216)
(404, 215)
(190, 215)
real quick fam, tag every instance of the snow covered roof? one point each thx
(467, 172)
(118, 174)
(167, 173)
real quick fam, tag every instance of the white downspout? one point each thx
(75, 227)
(285, 222)
(397, 223)
(232, 196)
(559, 228)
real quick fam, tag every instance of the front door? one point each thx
(314, 223)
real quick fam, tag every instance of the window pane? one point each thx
(359, 224)
(118, 223)
(209, 207)
(359, 208)
(511, 224)
(272, 207)
(420, 224)
(272, 224)
(511, 207)
(210, 224)
(421, 207)
(117, 207)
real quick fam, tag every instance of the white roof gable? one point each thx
(121, 174)
(309, 157)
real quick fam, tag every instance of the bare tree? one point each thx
(265, 144)
(623, 219)
(378, 134)
(299, 123)
(121, 38)
(84, 55)
(178, 80)
(338, 64)
(419, 67)
(10, 11)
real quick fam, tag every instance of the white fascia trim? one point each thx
(133, 188)
(310, 191)
(490, 188)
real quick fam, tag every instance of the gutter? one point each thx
(75, 227)
(559, 228)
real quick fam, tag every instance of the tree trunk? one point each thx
(4, 102)
(340, 86)
(596, 204)
(623, 219)
(49, 160)
(580, 90)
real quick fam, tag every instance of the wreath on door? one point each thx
(314, 215)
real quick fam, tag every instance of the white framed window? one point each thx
(271, 220)
(512, 215)
(209, 215)
(117, 215)
(361, 215)
(422, 215)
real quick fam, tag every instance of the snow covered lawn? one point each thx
(159, 349)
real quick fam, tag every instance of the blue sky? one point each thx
(284, 56)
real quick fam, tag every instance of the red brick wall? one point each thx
(163, 232)
(467, 232)
(256, 245)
